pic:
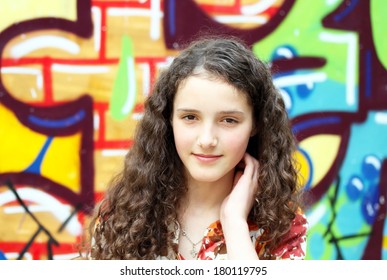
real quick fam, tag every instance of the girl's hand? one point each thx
(237, 205)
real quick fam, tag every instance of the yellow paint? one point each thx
(21, 10)
(62, 161)
(19, 145)
(304, 168)
(322, 150)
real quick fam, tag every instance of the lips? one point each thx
(207, 158)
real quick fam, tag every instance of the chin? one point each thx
(204, 178)
(207, 176)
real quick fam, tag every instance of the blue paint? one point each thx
(368, 75)
(78, 117)
(370, 204)
(316, 252)
(2, 256)
(371, 167)
(171, 19)
(347, 10)
(329, 95)
(315, 122)
(347, 220)
(35, 166)
(355, 187)
(304, 91)
(278, 55)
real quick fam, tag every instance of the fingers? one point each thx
(251, 167)
(247, 178)
(244, 189)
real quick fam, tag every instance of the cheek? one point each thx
(183, 138)
(238, 145)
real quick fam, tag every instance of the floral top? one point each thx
(292, 247)
(213, 246)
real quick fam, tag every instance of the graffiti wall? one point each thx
(74, 75)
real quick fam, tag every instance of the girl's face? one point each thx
(212, 124)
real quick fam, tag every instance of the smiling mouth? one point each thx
(207, 158)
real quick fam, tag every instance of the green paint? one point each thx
(302, 29)
(123, 98)
(378, 24)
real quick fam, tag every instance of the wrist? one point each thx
(238, 240)
(230, 225)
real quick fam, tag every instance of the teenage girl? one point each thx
(211, 173)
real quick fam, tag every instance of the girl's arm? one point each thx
(236, 208)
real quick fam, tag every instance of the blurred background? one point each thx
(75, 73)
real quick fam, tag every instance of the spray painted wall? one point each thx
(75, 73)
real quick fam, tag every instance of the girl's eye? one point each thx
(230, 121)
(189, 117)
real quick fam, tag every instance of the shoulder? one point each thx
(292, 245)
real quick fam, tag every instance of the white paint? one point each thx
(373, 161)
(25, 71)
(15, 255)
(381, 117)
(286, 98)
(33, 93)
(358, 184)
(155, 10)
(79, 69)
(257, 8)
(47, 202)
(145, 78)
(44, 41)
(332, 2)
(113, 153)
(241, 19)
(316, 215)
(65, 256)
(306, 79)
(154, 13)
(131, 97)
(96, 122)
(97, 18)
(21, 70)
(285, 52)
(351, 41)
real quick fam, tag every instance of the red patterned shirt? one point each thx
(291, 247)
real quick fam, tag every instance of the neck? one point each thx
(207, 197)
(200, 208)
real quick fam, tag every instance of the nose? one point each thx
(207, 137)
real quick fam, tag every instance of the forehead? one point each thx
(203, 90)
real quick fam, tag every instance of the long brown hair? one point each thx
(136, 218)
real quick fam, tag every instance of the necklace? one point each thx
(193, 251)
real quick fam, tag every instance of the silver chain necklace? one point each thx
(193, 251)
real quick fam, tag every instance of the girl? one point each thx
(211, 174)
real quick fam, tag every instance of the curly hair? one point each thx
(137, 217)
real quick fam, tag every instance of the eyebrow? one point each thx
(228, 112)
